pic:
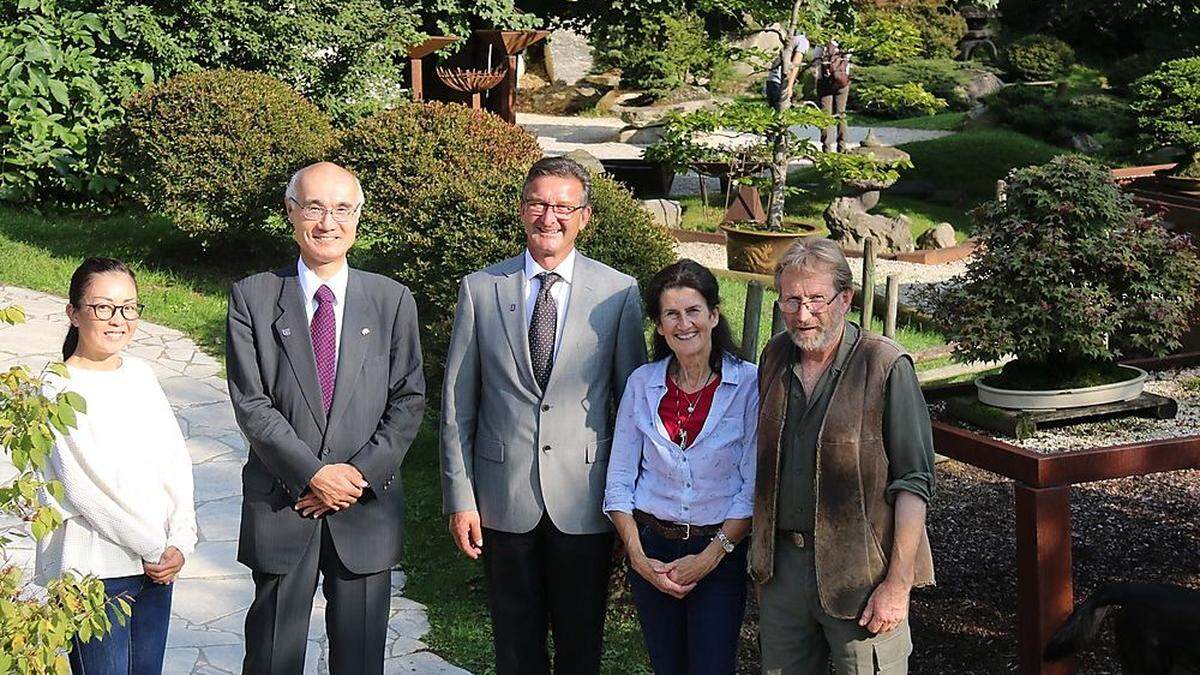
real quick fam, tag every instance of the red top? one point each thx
(674, 410)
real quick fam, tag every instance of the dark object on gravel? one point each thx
(1157, 627)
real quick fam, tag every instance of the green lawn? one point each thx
(182, 287)
(971, 162)
(943, 121)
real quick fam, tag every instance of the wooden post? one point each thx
(868, 282)
(893, 306)
(777, 324)
(418, 81)
(752, 319)
(1044, 593)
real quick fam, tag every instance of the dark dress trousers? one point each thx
(378, 401)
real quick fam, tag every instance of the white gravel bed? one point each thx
(1089, 435)
(912, 275)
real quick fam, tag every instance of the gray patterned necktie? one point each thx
(542, 329)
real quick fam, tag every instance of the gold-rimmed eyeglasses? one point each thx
(315, 212)
(814, 305)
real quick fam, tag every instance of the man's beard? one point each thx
(812, 341)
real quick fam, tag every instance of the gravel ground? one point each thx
(1133, 529)
(911, 275)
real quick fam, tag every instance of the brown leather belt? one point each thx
(669, 530)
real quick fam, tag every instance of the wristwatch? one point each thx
(725, 542)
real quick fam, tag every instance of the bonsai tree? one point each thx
(1168, 110)
(36, 630)
(1069, 275)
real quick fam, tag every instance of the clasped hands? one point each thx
(678, 577)
(168, 565)
(334, 487)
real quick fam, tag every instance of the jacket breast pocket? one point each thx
(598, 451)
(490, 449)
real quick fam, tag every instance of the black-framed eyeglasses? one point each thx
(103, 311)
(538, 209)
(315, 212)
(815, 305)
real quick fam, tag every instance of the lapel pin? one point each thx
(366, 331)
(512, 307)
(285, 332)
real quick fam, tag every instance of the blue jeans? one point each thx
(698, 634)
(137, 647)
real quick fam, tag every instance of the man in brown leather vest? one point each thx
(845, 470)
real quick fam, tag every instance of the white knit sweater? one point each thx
(126, 475)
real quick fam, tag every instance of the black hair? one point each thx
(690, 274)
(79, 284)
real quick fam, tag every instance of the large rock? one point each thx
(558, 99)
(938, 236)
(568, 56)
(647, 135)
(850, 225)
(766, 40)
(654, 115)
(665, 212)
(1086, 143)
(587, 160)
(981, 84)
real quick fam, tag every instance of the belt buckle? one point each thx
(797, 539)
(687, 531)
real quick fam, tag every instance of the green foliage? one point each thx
(1168, 109)
(1039, 57)
(1069, 271)
(60, 92)
(939, 25)
(212, 150)
(884, 38)
(944, 78)
(906, 100)
(1038, 111)
(443, 185)
(841, 168)
(1113, 28)
(35, 634)
(661, 53)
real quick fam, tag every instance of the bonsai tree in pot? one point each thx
(1168, 110)
(1070, 274)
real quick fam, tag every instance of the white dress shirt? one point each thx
(560, 291)
(310, 282)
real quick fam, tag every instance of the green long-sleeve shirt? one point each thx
(907, 437)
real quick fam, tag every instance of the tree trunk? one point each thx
(779, 155)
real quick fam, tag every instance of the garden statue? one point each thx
(848, 217)
(978, 34)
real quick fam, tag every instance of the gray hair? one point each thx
(817, 253)
(562, 167)
(290, 191)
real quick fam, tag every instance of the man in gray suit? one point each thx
(325, 375)
(541, 348)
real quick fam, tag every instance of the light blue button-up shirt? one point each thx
(711, 481)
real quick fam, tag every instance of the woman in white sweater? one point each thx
(126, 476)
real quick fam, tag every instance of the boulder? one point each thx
(568, 56)
(654, 115)
(647, 135)
(766, 40)
(558, 99)
(850, 225)
(610, 80)
(1086, 144)
(665, 212)
(938, 236)
(981, 84)
(610, 100)
(587, 160)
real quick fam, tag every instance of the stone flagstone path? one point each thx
(213, 590)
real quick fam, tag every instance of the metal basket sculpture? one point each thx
(473, 82)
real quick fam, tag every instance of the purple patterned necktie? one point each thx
(323, 329)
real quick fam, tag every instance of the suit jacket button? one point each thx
(545, 448)
(546, 407)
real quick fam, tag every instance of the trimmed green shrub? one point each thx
(1070, 272)
(213, 150)
(661, 53)
(906, 100)
(1039, 57)
(1039, 112)
(943, 78)
(443, 185)
(1168, 109)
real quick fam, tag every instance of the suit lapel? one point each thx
(510, 300)
(352, 348)
(291, 329)
(580, 301)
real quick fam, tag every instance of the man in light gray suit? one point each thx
(325, 375)
(541, 348)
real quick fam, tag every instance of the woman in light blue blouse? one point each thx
(681, 477)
